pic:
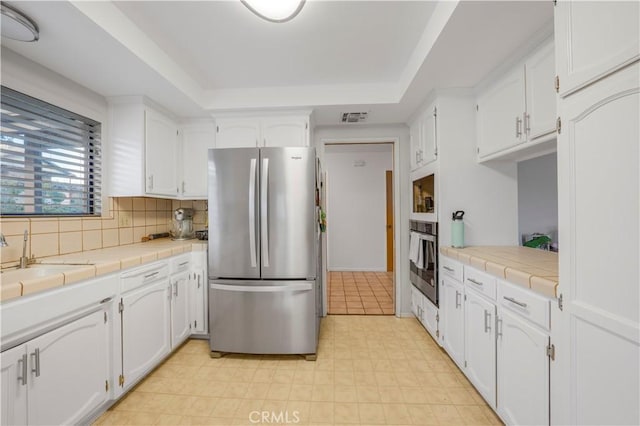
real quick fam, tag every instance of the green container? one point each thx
(457, 229)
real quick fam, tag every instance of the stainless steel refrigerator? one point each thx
(263, 297)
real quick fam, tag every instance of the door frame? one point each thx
(395, 143)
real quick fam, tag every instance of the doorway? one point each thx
(360, 228)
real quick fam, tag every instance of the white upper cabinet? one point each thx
(262, 131)
(520, 107)
(423, 138)
(285, 131)
(598, 37)
(197, 138)
(143, 151)
(501, 114)
(237, 132)
(540, 116)
(161, 152)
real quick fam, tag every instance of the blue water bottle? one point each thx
(457, 229)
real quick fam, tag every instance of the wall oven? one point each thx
(423, 258)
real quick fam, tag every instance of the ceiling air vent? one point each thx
(354, 117)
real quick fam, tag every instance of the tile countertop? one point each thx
(532, 268)
(88, 264)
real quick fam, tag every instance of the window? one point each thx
(50, 159)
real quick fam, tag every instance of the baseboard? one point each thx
(357, 270)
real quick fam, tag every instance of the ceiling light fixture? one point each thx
(275, 10)
(16, 25)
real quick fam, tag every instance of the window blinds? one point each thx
(50, 159)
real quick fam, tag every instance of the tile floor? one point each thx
(358, 293)
(370, 370)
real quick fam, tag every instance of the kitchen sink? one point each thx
(36, 270)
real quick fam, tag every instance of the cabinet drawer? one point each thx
(451, 268)
(141, 276)
(181, 264)
(480, 281)
(532, 306)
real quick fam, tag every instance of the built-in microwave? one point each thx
(424, 200)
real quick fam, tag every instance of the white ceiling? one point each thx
(202, 57)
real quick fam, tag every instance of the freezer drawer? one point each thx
(263, 317)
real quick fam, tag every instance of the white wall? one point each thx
(30, 78)
(356, 200)
(486, 192)
(538, 196)
(350, 133)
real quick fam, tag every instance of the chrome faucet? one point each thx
(24, 260)
(3, 242)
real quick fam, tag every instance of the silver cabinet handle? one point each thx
(512, 300)
(23, 369)
(447, 268)
(499, 326)
(518, 127)
(527, 127)
(457, 299)
(35, 356)
(150, 182)
(153, 274)
(183, 263)
(487, 318)
(252, 213)
(198, 280)
(183, 187)
(264, 211)
(475, 282)
(175, 289)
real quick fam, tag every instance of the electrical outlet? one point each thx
(124, 218)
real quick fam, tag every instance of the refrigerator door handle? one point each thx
(263, 289)
(252, 212)
(264, 217)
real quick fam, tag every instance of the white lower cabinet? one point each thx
(480, 345)
(14, 377)
(180, 326)
(430, 318)
(523, 371)
(59, 377)
(416, 303)
(453, 315)
(146, 329)
(198, 302)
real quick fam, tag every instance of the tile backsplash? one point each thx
(128, 220)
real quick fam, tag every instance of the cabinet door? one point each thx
(598, 153)
(523, 369)
(180, 327)
(414, 135)
(501, 113)
(196, 142)
(416, 303)
(14, 378)
(69, 368)
(541, 95)
(593, 39)
(161, 154)
(430, 318)
(453, 314)
(198, 302)
(428, 137)
(480, 345)
(285, 131)
(146, 329)
(237, 133)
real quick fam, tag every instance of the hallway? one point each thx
(358, 293)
